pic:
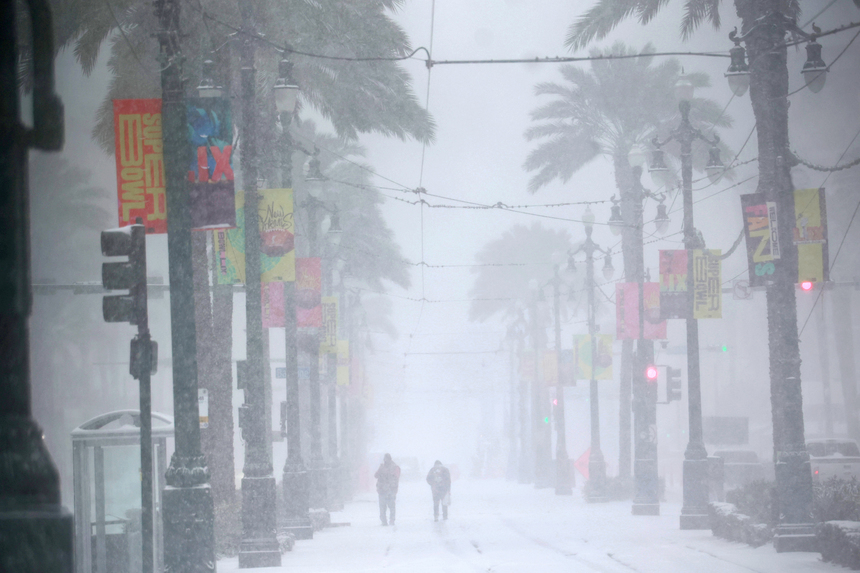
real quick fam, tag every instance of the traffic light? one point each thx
(129, 275)
(129, 241)
(651, 373)
(673, 384)
(806, 285)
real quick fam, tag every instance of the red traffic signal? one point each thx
(651, 373)
(806, 285)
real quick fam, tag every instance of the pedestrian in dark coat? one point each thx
(387, 481)
(439, 479)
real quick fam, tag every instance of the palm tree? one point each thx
(769, 97)
(502, 288)
(357, 97)
(596, 114)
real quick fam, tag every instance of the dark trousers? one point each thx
(437, 500)
(386, 500)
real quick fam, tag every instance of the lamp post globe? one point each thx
(637, 156)
(588, 219)
(814, 70)
(684, 88)
(608, 269)
(738, 73)
(286, 90)
(207, 86)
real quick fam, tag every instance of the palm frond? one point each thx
(697, 11)
(647, 9)
(601, 19)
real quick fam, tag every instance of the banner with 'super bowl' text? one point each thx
(140, 163)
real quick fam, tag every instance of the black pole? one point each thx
(259, 545)
(30, 512)
(596, 462)
(694, 511)
(143, 374)
(317, 471)
(563, 481)
(539, 423)
(646, 495)
(334, 498)
(525, 468)
(511, 471)
(189, 538)
(295, 478)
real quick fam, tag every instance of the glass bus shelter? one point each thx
(107, 481)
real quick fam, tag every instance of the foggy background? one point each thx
(441, 388)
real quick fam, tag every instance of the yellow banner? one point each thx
(277, 240)
(602, 356)
(810, 235)
(707, 284)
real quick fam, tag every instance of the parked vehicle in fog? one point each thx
(830, 457)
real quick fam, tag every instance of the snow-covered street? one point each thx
(502, 527)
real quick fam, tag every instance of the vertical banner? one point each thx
(810, 235)
(707, 284)
(210, 169)
(328, 340)
(343, 362)
(673, 284)
(308, 292)
(627, 311)
(761, 237)
(274, 314)
(140, 163)
(602, 356)
(277, 253)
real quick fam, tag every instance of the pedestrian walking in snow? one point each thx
(387, 480)
(439, 479)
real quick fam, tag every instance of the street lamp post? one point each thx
(596, 461)
(514, 338)
(295, 476)
(541, 431)
(646, 498)
(563, 478)
(334, 234)
(318, 497)
(36, 532)
(259, 545)
(187, 507)
(694, 512)
(524, 467)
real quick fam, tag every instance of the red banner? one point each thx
(273, 305)
(308, 292)
(627, 311)
(140, 163)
